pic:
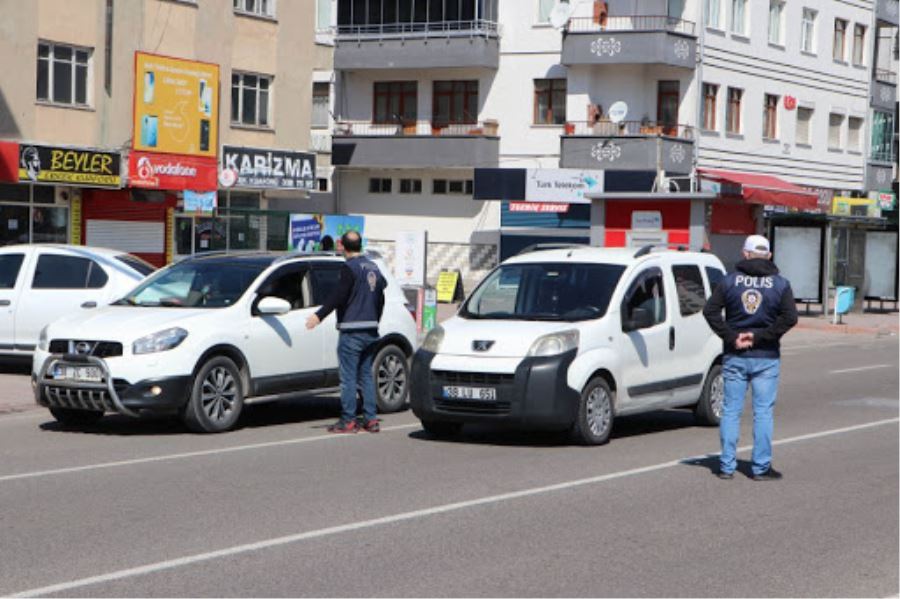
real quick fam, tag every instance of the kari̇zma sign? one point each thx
(270, 169)
(49, 164)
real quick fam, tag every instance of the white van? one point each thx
(570, 338)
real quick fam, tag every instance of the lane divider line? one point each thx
(861, 368)
(405, 516)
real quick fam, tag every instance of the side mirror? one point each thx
(273, 306)
(641, 318)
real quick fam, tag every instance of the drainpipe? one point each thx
(695, 180)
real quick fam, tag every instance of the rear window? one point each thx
(142, 266)
(9, 269)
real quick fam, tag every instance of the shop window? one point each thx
(13, 225)
(691, 294)
(209, 235)
(62, 74)
(243, 230)
(49, 224)
(277, 232)
(10, 264)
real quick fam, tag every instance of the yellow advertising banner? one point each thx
(75, 221)
(176, 105)
(448, 281)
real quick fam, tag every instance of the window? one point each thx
(62, 74)
(549, 101)
(455, 102)
(143, 267)
(545, 7)
(260, 8)
(439, 186)
(443, 186)
(410, 186)
(739, 17)
(808, 31)
(840, 35)
(711, 13)
(321, 99)
(324, 278)
(250, 99)
(9, 269)
(859, 43)
(882, 137)
(710, 93)
(776, 22)
(380, 185)
(395, 102)
(714, 276)
(67, 272)
(647, 292)
(287, 283)
(321, 184)
(691, 293)
(804, 131)
(835, 124)
(323, 15)
(770, 117)
(733, 110)
(854, 133)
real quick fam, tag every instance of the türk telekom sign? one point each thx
(172, 171)
(269, 169)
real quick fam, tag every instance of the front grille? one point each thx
(79, 399)
(98, 349)
(472, 407)
(446, 377)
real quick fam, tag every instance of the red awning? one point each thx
(766, 189)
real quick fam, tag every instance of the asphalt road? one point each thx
(280, 508)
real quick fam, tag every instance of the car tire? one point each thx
(596, 412)
(217, 397)
(71, 417)
(390, 369)
(439, 429)
(708, 410)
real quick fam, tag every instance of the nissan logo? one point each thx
(482, 345)
(83, 348)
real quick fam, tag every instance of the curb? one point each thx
(847, 329)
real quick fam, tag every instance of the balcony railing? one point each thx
(437, 29)
(627, 129)
(886, 76)
(486, 128)
(630, 23)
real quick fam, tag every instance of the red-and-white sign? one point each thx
(555, 207)
(172, 171)
(790, 102)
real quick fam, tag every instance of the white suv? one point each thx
(570, 338)
(203, 335)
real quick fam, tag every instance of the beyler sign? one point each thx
(47, 164)
(171, 171)
(270, 169)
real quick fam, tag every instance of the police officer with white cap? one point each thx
(759, 309)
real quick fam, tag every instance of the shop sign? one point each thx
(845, 206)
(270, 169)
(199, 202)
(722, 188)
(646, 220)
(71, 166)
(886, 200)
(306, 231)
(409, 262)
(540, 207)
(164, 171)
(568, 185)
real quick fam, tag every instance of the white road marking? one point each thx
(402, 517)
(192, 454)
(861, 368)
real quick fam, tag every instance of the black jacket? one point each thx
(755, 299)
(358, 297)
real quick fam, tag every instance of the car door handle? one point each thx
(5, 303)
(671, 338)
(89, 305)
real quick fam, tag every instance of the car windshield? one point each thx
(143, 267)
(545, 291)
(196, 284)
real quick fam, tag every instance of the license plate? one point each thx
(471, 393)
(84, 374)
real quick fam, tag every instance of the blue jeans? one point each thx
(762, 375)
(355, 353)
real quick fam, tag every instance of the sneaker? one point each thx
(373, 425)
(726, 475)
(770, 474)
(342, 426)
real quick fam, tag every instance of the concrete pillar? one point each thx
(598, 223)
(697, 225)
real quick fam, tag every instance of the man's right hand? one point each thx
(744, 341)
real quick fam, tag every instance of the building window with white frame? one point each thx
(804, 126)
(776, 22)
(859, 44)
(739, 17)
(257, 8)
(854, 133)
(323, 15)
(63, 74)
(808, 31)
(770, 117)
(545, 7)
(250, 96)
(840, 40)
(733, 111)
(710, 98)
(835, 124)
(321, 102)
(712, 14)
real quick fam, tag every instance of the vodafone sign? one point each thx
(172, 171)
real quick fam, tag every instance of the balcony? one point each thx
(629, 146)
(420, 144)
(630, 40)
(430, 45)
(888, 11)
(884, 89)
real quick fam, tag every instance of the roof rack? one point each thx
(541, 247)
(647, 249)
(324, 254)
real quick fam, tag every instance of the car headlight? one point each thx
(161, 341)
(554, 344)
(433, 340)
(43, 340)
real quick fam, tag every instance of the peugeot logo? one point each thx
(480, 345)
(83, 348)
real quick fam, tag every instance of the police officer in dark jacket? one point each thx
(359, 301)
(759, 310)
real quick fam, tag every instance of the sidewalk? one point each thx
(866, 323)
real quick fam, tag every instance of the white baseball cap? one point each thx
(756, 243)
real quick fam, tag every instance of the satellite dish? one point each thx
(561, 14)
(618, 112)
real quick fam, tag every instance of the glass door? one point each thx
(668, 98)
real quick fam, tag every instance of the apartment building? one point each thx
(229, 82)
